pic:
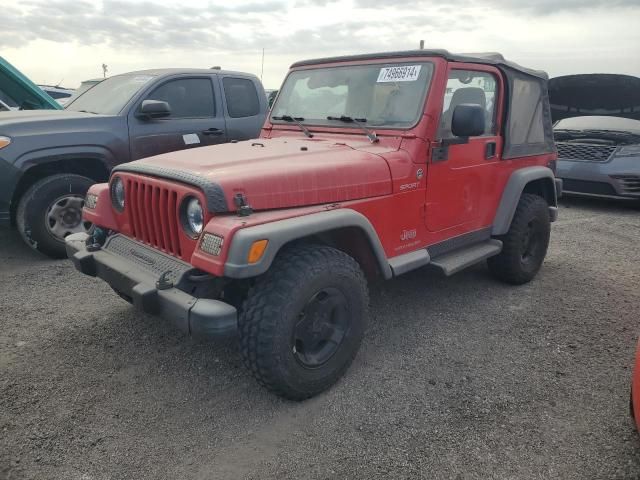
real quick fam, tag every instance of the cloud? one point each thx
(131, 34)
(141, 25)
(538, 7)
(228, 27)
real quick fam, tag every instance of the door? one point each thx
(194, 121)
(460, 174)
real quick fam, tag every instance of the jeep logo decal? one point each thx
(408, 234)
(142, 257)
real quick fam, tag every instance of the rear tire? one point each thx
(525, 244)
(50, 210)
(303, 321)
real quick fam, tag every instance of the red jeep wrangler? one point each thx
(368, 166)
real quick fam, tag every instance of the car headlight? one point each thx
(117, 194)
(628, 151)
(4, 141)
(192, 216)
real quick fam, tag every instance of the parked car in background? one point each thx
(271, 96)
(59, 94)
(48, 159)
(20, 93)
(84, 86)
(597, 133)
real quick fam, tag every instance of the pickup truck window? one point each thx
(241, 96)
(467, 86)
(111, 95)
(384, 95)
(187, 97)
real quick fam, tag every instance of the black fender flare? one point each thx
(48, 155)
(281, 232)
(512, 192)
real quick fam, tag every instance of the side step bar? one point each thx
(453, 262)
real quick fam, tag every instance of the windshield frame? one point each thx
(132, 97)
(333, 125)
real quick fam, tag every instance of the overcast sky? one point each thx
(67, 41)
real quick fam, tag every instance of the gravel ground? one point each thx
(457, 378)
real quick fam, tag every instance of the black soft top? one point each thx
(488, 58)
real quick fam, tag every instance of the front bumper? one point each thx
(132, 269)
(618, 177)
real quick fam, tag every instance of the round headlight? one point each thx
(117, 194)
(194, 217)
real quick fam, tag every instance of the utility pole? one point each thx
(105, 67)
(262, 67)
(421, 44)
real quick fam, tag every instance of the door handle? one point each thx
(213, 131)
(490, 150)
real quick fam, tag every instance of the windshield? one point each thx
(109, 96)
(384, 95)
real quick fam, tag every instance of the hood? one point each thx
(28, 123)
(285, 172)
(17, 90)
(595, 94)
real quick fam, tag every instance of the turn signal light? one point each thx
(257, 250)
(4, 141)
(91, 201)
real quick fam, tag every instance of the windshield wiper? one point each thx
(373, 138)
(296, 120)
(87, 111)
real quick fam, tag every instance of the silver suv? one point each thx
(597, 133)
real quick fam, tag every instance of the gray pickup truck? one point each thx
(49, 158)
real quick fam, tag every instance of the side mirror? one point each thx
(468, 120)
(154, 109)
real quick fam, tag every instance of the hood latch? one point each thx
(244, 209)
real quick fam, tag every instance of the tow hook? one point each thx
(164, 282)
(96, 239)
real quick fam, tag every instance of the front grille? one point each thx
(584, 186)
(629, 184)
(153, 211)
(587, 152)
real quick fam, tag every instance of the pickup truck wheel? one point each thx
(302, 322)
(50, 210)
(525, 244)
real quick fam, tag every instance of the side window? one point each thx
(468, 86)
(242, 97)
(187, 97)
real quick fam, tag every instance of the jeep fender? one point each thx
(282, 232)
(513, 190)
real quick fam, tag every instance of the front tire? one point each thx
(303, 321)
(525, 244)
(50, 210)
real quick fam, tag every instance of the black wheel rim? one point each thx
(321, 328)
(531, 242)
